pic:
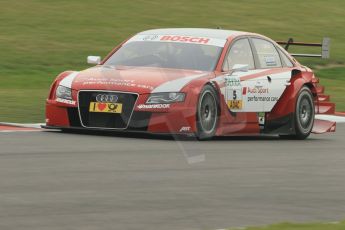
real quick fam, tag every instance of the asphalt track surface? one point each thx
(53, 180)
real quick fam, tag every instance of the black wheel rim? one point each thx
(305, 112)
(208, 112)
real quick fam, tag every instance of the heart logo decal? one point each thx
(101, 106)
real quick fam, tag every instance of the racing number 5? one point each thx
(234, 95)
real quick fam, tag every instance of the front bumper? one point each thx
(131, 132)
(177, 119)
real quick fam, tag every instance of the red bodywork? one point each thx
(175, 119)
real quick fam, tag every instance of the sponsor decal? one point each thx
(244, 91)
(185, 129)
(235, 104)
(178, 38)
(100, 107)
(262, 98)
(187, 39)
(116, 82)
(254, 91)
(153, 106)
(270, 61)
(260, 94)
(233, 81)
(234, 92)
(258, 90)
(150, 38)
(70, 102)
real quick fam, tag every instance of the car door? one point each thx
(277, 73)
(242, 86)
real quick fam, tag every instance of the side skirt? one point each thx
(283, 125)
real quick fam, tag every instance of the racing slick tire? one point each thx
(304, 115)
(207, 113)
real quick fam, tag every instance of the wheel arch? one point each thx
(312, 88)
(197, 86)
(287, 102)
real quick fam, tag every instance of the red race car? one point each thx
(203, 82)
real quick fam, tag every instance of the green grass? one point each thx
(40, 38)
(288, 226)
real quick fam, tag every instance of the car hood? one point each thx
(132, 79)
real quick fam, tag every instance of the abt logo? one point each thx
(185, 129)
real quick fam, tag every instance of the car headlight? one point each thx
(165, 98)
(64, 92)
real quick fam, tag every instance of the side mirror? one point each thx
(95, 60)
(240, 68)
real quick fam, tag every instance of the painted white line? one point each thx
(338, 119)
(20, 131)
(35, 125)
(24, 125)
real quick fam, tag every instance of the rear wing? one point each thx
(325, 47)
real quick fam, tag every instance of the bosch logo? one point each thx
(110, 98)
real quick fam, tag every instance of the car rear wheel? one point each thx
(304, 115)
(207, 113)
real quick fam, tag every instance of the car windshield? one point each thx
(166, 55)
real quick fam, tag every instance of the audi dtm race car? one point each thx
(202, 82)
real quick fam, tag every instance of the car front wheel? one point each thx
(207, 113)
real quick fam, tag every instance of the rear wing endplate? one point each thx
(325, 47)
